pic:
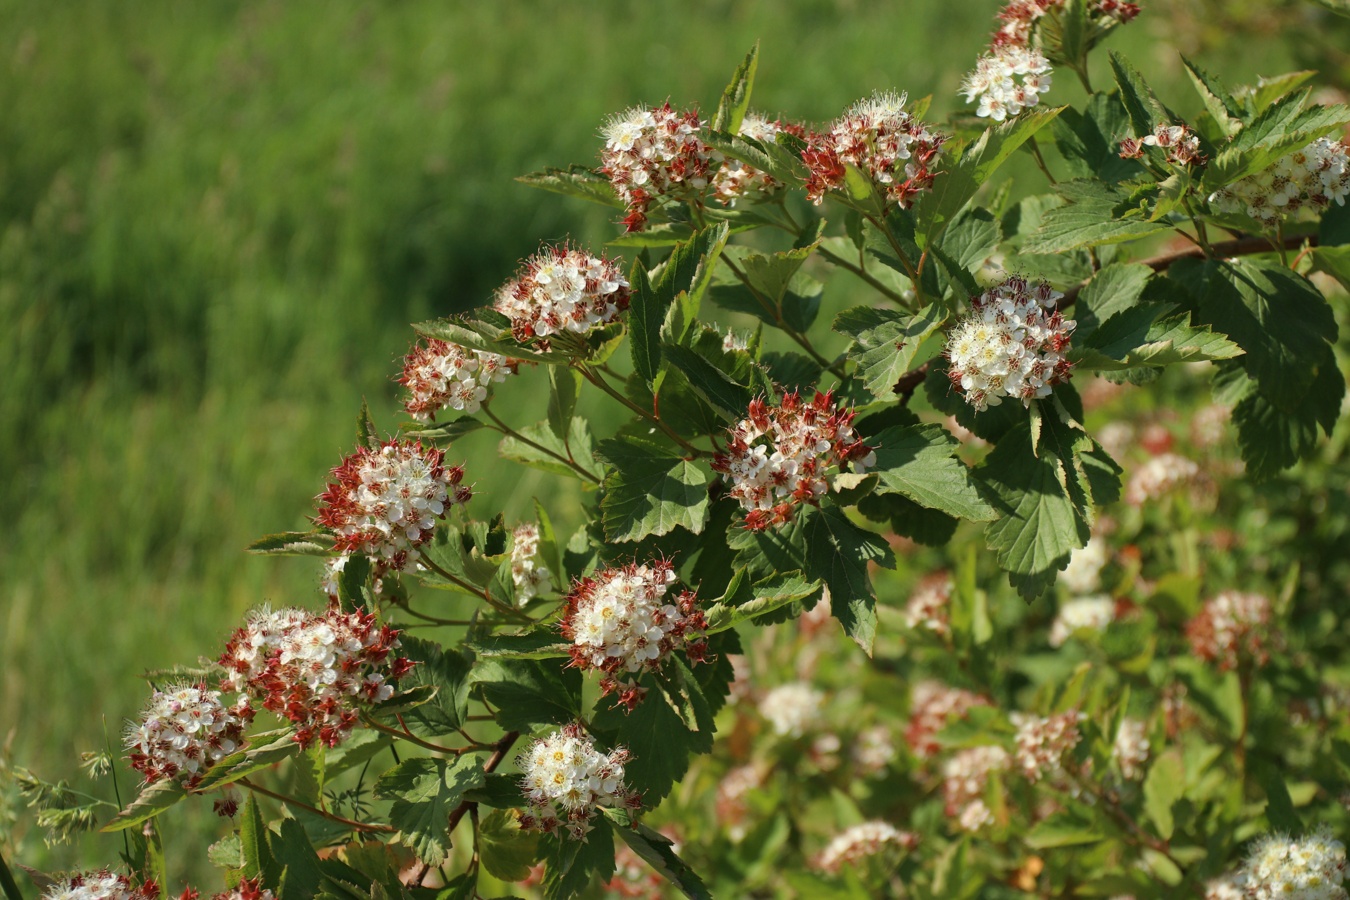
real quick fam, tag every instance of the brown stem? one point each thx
(291, 801)
(500, 749)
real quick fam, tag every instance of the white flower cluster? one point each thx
(566, 779)
(1307, 868)
(1007, 80)
(313, 668)
(620, 621)
(736, 179)
(1310, 178)
(101, 885)
(182, 731)
(873, 749)
(865, 839)
(527, 573)
(1232, 626)
(781, 456)
(927, 606)
(1044, 741)
(734, 340)
(1130, 748)
(1083, 575)
(1226, 887)
(932, 705)
(652, 152)
(1011, 345)
(440, 375)
(964, 779)
(562, 289)
(792, 709)
(1087, 613)
(385, 502)
(1158, 477)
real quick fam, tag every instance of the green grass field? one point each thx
(216, 220)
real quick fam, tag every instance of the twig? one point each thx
(500, 749)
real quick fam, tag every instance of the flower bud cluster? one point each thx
(932, 705)
(1007, 80)
(1011, 345)
(893, 148)
(1087, 613)
(314, 668)
(1130, 749)
(1019, 17)
(928, 605)
(620, 622)
(527, 573)
(792, 709)
(865, 839)
(964, 779)
(182, 731)
(649, 153)
(440, 375)
(562, 289)
(1310, 178)
(1158, 477)
(1044, 741)
(1083, 575)
(566, 779)
(779, 457)
(100, 885)
(247, 889)
(1307, 868)
(1182, 145)
(737, 179)
(385, 502)
(1230, 628)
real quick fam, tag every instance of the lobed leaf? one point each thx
(424, 791)
(575, 181)
(919, 461)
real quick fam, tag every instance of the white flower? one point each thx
(101, 885)
(873, 749)
(932, 705)
(182, 731)
(1310, 178)
(1159, 476)
(792, 709)
(566, 779)
(440, 375)
(927, 606)
(964, 778)
(736, 179)
(1011, 345)
(651, 152)
(1230, 626)
(1088, 613)
(1007, 80)
(1285, 868)
(1228, 886)
(527, 573)
(1130, 749)
(1083, 575)
(1044, 741)
(562, 289)
(861, 841)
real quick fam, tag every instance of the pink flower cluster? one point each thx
(928, 606)
(1181, 144)
(440, 375)
(736, 179)
(853, 845)
(964, 779)
(652, 152)
(779, 457)
(621, 622)
(893, 148)
(100, 885)
(384, 502)
(182, 731)
(932, 705)
(1231, 628)
(314, 669)
(1043, 743)
(562, 289)
(1019, 17)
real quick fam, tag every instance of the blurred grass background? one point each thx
(217, 219)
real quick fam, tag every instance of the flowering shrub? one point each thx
(1108, 659)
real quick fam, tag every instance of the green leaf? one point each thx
(736, 98)
(572, 865)
(1145, 112)
(887, 344)
(1334, 261)
(715, 387)
(1062, 830)
(445, 431)
(908, 519)
(1282, 322)
(528, 692)
(744, 601)
(301, 875)
(919, 462)
(970, 240)
(1164, 786)
(1218, 102)
(258, 860)
(575, 181)
(837, 553)
(1088, 219)
(424, 791)
(1113, 290)
(954, 189)
(543, 642)
(1272, 438)
(650, 490)
(149, 803)
(497, 792)
(487, 330)
(1044, 520)
(293, 543)
(659, 852)
(446, 670)
(689, 268)
(1090, 141)
(366, 435)
(564, 388)
(506, 851)
(1268, 90)
(1132, 338)
(577, 447)
(1280, 811)
(771, 274)
(1277, 132)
